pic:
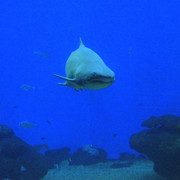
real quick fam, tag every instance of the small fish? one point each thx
(15, 106)
(130, 51)
(23, 169)
(27, 87)
(27, 125)
(115, 134)
(43, 138)
(42, 54)
(49, 122)
(41, 147)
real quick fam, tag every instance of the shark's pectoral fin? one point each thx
(65, 78)
(62, 84)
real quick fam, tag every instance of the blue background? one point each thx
(138, 40)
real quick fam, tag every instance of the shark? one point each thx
(86, 70)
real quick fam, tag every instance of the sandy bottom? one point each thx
(140, 170)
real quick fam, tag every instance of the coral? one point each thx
(91, 150)
(87, 155)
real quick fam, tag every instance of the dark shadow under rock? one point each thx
(122, 164)
(56, 156)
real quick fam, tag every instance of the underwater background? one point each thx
(138, 40)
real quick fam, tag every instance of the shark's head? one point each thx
(86, 70)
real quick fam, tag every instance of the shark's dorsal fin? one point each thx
(81, 43)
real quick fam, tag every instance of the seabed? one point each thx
(140, 170)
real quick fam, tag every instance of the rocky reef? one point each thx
(87, 155)
(161, 143)
(18, 160)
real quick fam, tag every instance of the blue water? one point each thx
(138, 40)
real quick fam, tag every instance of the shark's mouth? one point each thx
(101, 79)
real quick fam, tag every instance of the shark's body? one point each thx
(86, 70)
